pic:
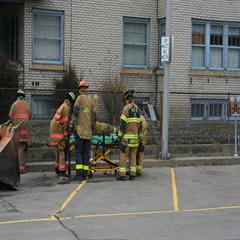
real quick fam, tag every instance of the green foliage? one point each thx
(8, 86)
(69, 82)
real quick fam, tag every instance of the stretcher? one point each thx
(102, 147)
(9, 166)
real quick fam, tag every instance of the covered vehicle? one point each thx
(9, 166)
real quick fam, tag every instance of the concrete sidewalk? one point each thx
(48, 166)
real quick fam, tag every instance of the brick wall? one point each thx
(94, 46)
(182, 77)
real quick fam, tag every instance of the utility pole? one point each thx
(167, 79)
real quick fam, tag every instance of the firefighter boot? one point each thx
(79, 175)
(131, 177)
(63, 177)
(121, 178)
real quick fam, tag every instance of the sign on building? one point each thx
(166, 49)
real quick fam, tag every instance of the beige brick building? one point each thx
(104, 39)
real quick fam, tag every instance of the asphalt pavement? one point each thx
(182, 203)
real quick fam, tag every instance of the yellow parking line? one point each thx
(53, 218)
(149, 213)
(69, 199)
(29, 220)
(174, 190)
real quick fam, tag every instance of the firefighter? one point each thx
(85, 120)
(128, 134)
(58, 135)
(20, 112)
(140, 151)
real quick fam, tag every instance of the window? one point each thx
(234, 47)
(208, 109)
(198, 45)
(162, 33)
(47, 37)
(215, 45)
(135, 42)
(42, 107)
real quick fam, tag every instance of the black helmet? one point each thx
(129, 93)
(71, 97)
(20, 92)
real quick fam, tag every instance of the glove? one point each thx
(26, 147)
(72, 126)
(141, 147)
(122, 147)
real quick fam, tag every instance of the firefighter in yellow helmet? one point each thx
(20, 112)
(130, 126)
(143, 140)
(85, 120)
(58, 135)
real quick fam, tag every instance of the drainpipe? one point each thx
(70, 57)
(155, 70)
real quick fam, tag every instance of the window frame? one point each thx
(147, 45)
(199, 45)
(232, 47)
(37, 12)
(225, 47)
(39, 97)
(207, 103)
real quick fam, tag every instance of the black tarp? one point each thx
(9, 168)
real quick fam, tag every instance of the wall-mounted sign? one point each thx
(166, 49)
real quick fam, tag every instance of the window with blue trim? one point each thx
(208, 109)
(135, 42)
(215, 46)
(48, 37)
(42, 106)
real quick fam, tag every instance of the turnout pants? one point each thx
(60, 163)
(129, 156)
(140, 158)
(21, 156)
(82, 155)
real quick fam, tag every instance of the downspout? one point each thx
(23, 50)
(155, 70)
(70, 57)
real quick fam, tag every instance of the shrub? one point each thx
(68, 83)
(113, 90)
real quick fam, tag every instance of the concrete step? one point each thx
(151, 152)
(48, 166)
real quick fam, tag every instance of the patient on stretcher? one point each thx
(104, 133)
